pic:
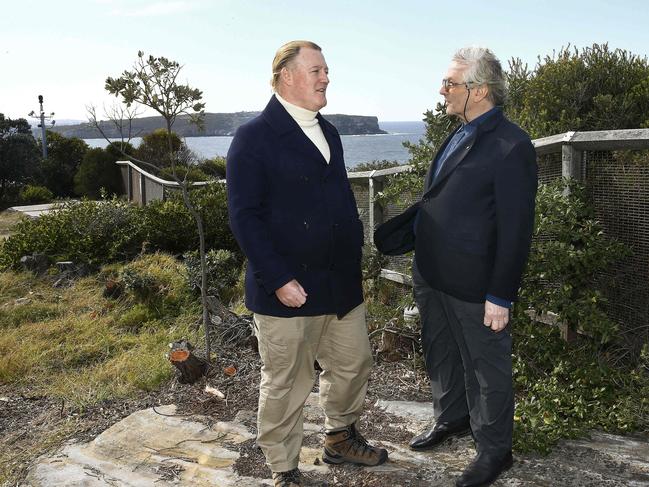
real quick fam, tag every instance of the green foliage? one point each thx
(64, 156)
(222, 268)
(157, 281)
(98, 233)
(215, 167)
(153, 83)
(159, 147)
(401, 187)
(85, 231)
(98, 170)
(566, 390)
(594, 88)
(19, 154)
(168, 225)
(568, 252)
(31, 195)
(190, 173)
(374, 165)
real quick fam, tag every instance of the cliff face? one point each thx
(215, 124)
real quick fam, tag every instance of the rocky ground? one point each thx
(184, 435)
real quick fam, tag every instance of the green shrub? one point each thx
(99, 233)
(98, 170)
(568, 252)
(223, 267)
(64, 155)
(186, 173)
(154, 148)
(83, 232)
(32, 195)
(158, 281)
(566, 390)
(169, 226)
(214, 167)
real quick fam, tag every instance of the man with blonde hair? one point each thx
(294, 215)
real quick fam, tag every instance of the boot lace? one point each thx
(286, 479)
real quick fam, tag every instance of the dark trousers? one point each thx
(469, 366)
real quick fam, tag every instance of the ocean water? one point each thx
(358, 148)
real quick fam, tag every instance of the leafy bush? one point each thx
(35, 194)
(98, 233)
(154, 148)
(595, 88)
(214, 167)
(222, 266)
(568, 252)
(98, 170)
(565, 390)
(19, 155)
(84, 232)
(187, 173)
(64, 156)
(169, 226)
(159, 282)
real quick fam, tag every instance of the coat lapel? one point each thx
(460, 153)
(280, 120)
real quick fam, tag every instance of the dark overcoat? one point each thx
(472, 229)
(476, 219)
(294, 216)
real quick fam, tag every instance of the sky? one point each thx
(386, 58)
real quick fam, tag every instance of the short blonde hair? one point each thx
(285, 55)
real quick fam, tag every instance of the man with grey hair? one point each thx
(471, 233)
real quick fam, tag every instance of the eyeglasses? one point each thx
(448, 84)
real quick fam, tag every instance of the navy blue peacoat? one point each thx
(294, 216)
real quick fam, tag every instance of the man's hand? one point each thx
(291, 294)
(496, 317)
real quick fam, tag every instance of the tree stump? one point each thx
(190, 366)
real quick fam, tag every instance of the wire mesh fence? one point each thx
(614, 166)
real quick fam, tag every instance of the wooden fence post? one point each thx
(571, 168)
(375, 209)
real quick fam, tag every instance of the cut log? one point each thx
(190, 366)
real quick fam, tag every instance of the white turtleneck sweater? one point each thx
(308, 122)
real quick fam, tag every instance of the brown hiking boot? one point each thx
(349, 446)
(287, 479)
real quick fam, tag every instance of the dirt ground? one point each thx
(31, 425)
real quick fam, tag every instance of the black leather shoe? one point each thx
(484, 470)
(440, 433)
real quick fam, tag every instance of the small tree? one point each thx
(155, 148)
(64, 156)
(98, 170)
(595, 88)
(153, 83)
(19, 154)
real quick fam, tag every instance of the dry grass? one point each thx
(73, 344)
(7, 220)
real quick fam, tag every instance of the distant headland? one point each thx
(216, 124)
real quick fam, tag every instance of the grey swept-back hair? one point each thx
(484, 68)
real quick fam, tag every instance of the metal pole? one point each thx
(43, 132)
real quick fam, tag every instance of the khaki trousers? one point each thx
(288, 349)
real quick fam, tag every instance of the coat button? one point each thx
(304, 267)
